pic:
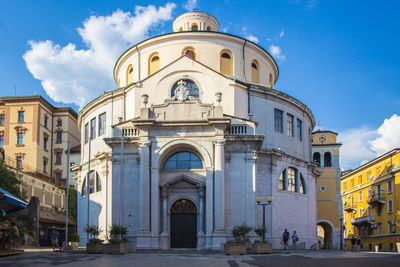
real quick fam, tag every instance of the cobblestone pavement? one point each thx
(48, 258)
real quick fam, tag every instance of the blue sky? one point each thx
(341, 58)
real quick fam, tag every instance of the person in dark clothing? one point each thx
(54, 238)
(358, 244)
(285, 237)
(353, 243)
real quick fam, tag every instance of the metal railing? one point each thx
(29, 170)
(363, 220)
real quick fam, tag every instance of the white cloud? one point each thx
(252, 38)
(355, 148)
(389, 135)
(361, 145)
(77, 76)
(282, 33)
(190, 5)
(276, 51)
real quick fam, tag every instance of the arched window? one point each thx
(195, 28)
(208, 28)
(183, 161)
(327, 159)
(94, 183)
(282, 180)
(190, 85)
(317, 158)
(302, 185)
(129, 75)
(180, 29)
(254, 71)
(190, 52)
(291, 179)
(154, 63)
(226, 63)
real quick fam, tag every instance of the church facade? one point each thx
(194, 133)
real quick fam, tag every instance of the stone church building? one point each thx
(193, 134)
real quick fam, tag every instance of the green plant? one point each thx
(93, 230)
(117, 233)
(260, 231)
(74, 238)
(240, 231)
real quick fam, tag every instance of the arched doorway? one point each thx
(183, 224)
(324, 231)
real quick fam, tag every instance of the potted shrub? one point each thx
(261, 246)
(237, 246)
(74, 240)
(94, 245)
(117, 244)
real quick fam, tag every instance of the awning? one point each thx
(10, 203)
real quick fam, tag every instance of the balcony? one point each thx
(378, 199)
(364, 220)
(349, 207)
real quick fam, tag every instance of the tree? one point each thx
(10, 182)
(72, 204)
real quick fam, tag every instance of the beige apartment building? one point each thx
(34, 136)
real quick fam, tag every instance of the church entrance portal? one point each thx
(183, 224)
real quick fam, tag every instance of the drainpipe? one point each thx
(244, 66)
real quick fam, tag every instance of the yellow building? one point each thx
(370, 196)
(325, 150)
(34, 136)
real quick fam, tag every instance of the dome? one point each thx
(195, 21)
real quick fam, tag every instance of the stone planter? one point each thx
(95, 248)
(398, 247)
(261, 248)
(235, 249)
(74, 245)
(116, 248)
(130, 247)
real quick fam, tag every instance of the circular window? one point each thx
(322, 188)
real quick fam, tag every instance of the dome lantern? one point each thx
(195, 21)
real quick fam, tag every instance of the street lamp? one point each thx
(259, 199)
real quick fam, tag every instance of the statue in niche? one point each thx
(181, 92)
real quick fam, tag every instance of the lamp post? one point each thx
(259, 200)
(66, 213)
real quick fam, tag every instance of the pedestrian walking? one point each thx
(295, 239)
(358, 244)
(285, 238)
(353, 243)
(54, 238)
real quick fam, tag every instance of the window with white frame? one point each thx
(291, 178)
(278, 117)
(389, 186)
(289, 125)
(102, 124)
(360, 196)
(390, 206)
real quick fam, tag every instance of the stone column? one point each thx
(219, 235)
(209, 203)
(144, 196)
(201, 211)
(250, 200)
(164, 234)
(219, 192)
(155, 204)
(165, 211)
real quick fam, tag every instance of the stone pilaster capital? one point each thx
(219, 142)
(143, 144)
